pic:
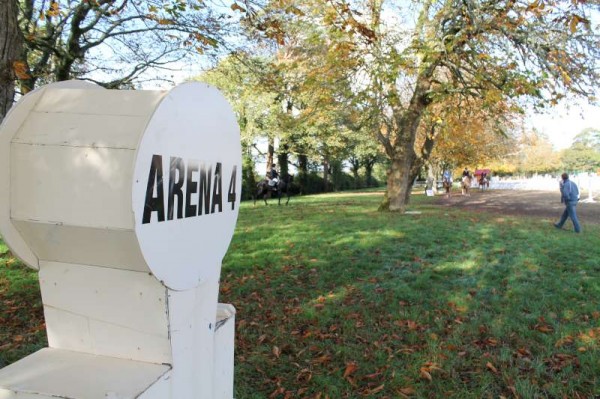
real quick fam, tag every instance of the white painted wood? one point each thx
(82, 245)
(105, 311)
(77, 186)
(191, 249)
(130, 301)
(224, 352)
(55, 373)
(81, 130)
(161, 389)
(10, 124)
(192, 316)
(100, 102)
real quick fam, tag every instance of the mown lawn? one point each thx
(337, 300)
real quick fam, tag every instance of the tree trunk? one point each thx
(302, 172)
(355, 165)
(10, 48)
(326, 175)
(399, 184)
(270, 154)
(283, 160)
(403, 167)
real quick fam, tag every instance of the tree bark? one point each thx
(283, 159)
(270, 154)
(11, 43)
(303, 172)
(355, 165)
(402, 152)
(326, 175)
(369, 173)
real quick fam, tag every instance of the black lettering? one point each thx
(155, 181)
(204, 190)
(217, 198)
(191, 187)
(231, 197)
(176, 171)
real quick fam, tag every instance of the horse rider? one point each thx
(273, 177)
(447, 181)
(483, 177)
(466, 173)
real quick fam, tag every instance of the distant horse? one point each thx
(466, 185)
(265, 191)
(483, 181)
(447, 184)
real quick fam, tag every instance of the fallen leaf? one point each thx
(406, 392)
(491, 367)
(544, 328)
(375, 390)
(425, 375)
(276, 351)
(351, 367)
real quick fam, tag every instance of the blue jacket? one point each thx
(569, 191)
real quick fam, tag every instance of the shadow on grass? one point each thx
(337, 299)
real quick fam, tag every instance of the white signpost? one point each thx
(126, 202)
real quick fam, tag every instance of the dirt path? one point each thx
(543, 204)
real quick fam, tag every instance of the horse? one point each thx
(483, 181)
(466, 185)
(265, 191)
(447, 184)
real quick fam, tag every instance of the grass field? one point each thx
(337, 300)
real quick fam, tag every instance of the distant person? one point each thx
(447, 182)
(466, 173)
(273, 176)
(569, 195)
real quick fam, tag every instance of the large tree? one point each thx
(112, 42)
(10, 49)
(584, 153)
(494, 51)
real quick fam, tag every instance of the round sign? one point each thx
(187, 185)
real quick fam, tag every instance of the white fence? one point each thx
(545, 183)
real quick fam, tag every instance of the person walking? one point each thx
(569, 195)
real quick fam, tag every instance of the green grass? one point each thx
(335, 299)
(22, 329)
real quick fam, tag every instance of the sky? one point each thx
(562, 123)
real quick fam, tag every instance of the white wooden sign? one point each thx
(126, 202)
(187, 186)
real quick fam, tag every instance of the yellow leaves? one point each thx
(53, 10)
(237, 7)
(575, 21)
(21, 70)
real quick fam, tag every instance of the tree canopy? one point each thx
(334, 80)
